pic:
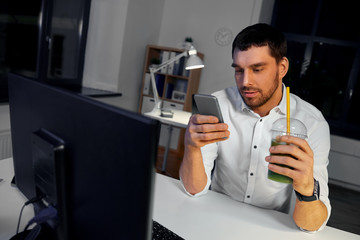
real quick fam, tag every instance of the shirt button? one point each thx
(255, 147)
(251, 174)
(260, 119)
(248, 196)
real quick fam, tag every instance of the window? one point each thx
(18, 39)
(43, 40)
(324, 56)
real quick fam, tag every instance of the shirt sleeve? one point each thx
(209, 154)
(319, 141)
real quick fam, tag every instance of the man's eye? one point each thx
(257, 69)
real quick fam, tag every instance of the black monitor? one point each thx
(92, 161)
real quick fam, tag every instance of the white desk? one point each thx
(179, 119)
(213, 216)
(216, 216)
(11, 201)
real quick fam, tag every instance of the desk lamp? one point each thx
(193, 62)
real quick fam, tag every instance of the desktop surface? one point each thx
(11, 201)
(216, 216)
(179, 119)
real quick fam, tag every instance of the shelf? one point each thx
(169, 85)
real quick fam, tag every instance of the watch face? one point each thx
(314, 197)
(223, 36)
(316, 189)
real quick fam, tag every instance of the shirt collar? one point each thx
(281, 108)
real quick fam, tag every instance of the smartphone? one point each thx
(208, 105)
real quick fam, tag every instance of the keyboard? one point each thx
(159, 232)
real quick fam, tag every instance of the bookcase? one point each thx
(175, 86)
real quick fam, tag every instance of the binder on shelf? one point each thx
(186, 73)
(181, 85)
(169, 90)
(171, 65)
(147, 84)
(165, 55)
(160, 81)
(181, 67)
(176, 66)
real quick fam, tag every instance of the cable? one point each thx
(44, 215)
(18, 225)
(33, 200)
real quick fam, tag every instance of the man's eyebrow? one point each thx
(259, 64)
(234, 65)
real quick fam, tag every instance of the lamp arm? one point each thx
(168, 62)
(154, 89)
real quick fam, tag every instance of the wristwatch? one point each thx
(315, 195)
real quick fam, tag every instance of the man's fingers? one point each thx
(213, 136)
(205, 128)
(203, 119)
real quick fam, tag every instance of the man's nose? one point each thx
(246, 81)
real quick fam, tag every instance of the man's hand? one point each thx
(307, 215)
(301, 163)
(203, 130)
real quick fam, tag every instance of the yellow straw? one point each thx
(288, 110)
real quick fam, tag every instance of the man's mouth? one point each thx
(249, 94)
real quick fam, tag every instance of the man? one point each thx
(234, 157)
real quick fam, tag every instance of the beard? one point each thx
(265, 95)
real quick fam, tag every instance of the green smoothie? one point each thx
(275, 176)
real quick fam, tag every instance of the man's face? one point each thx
(257, 78)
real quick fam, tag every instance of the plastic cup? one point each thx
(279, 128)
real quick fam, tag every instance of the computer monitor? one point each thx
(92, 161)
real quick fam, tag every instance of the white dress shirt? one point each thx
(240, 167)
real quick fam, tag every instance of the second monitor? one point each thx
(104, 180)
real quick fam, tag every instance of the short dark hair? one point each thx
(259, 35)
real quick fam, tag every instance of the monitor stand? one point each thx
(44, 234)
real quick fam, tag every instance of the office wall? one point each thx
(201, 19)
(142, 28)
(115, 49)
(5, 134)
(105, 43)
(4, 117)
(118, 34)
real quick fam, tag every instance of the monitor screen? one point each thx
(93, 161)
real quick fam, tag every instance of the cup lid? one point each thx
(297, 128)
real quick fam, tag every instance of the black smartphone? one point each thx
(208, 105)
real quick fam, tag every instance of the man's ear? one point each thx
(283, 67)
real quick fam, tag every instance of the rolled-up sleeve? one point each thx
(209, 154)
(320, 144)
